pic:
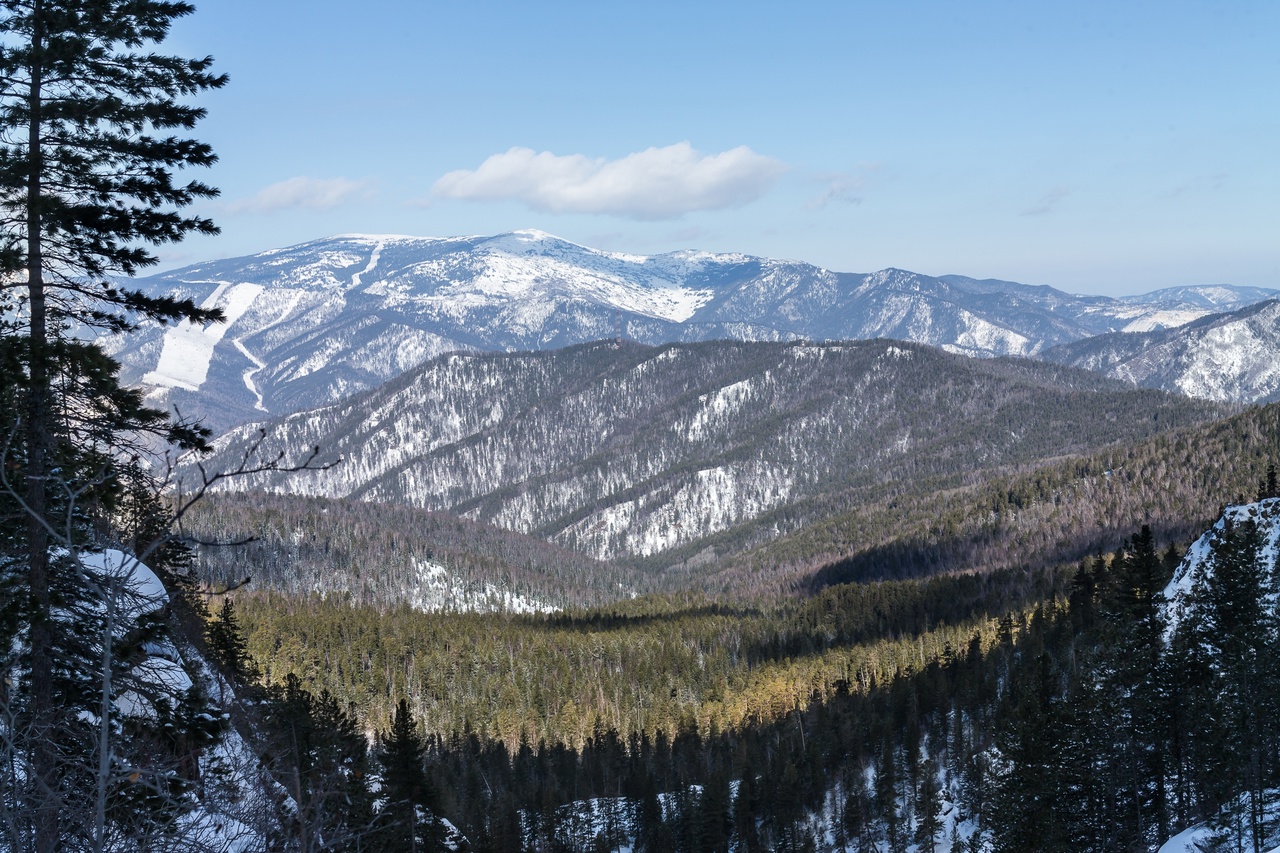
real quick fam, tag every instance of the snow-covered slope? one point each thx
(633, 451)
(1194, 579)
(1213, 297)
(1229, 357)
(313, 323)
(1199, 557)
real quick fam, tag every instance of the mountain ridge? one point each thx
(1230, 357)
(312, 323)
(632, 450)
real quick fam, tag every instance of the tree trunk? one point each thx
(37, 468)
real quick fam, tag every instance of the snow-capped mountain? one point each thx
(1229, 357)
(636, 450)
(1214, 297)
(311, 324)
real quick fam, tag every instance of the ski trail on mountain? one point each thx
(373, 262)
(187, 348)
(258, 363)
(248, 374)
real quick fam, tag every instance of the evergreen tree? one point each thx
(928, 807)
(318, 753)
(1025, 812)
(1268, 486)
(715, 819)
(86, 169)
(1232, 623)
(410, 800)
(228, 645)
(1134, 695)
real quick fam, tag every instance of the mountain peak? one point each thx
(529, 241)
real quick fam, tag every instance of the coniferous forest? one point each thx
(1050, 624)
(1064, 710)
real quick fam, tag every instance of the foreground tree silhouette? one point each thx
(410, 799)
(87, 168)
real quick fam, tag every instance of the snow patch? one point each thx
(439, 590)
(141, 590)
(1198, 559)
(1164, 319)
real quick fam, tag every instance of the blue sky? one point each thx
(1096, 147)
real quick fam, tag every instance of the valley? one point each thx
(775, 503)
(635, 591)
(799, 561)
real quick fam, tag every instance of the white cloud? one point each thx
(304, 193)
(658, 183)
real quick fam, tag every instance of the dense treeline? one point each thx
(1005, 709)
(631, 451)
(1053, 513)
(1093, 725)
(875, 716)
(646, 665)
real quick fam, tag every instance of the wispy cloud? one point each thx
(1048, 202)
(842, 187)
(657, 183)
(303, 193)
(1201, 183)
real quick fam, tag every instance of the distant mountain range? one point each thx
(1230, 357)
(314, 323)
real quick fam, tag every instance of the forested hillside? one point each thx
(387, 555)
(1051, 512)
(630, 452)
(1083, 709)
(1054, 512)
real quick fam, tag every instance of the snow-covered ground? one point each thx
(1266, 514)
(439, 590)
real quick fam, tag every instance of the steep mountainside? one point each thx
(310, 324)
(1056, 512)
(632, 451)
(1229, 357)
(1205, 553)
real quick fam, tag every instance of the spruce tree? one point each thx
(1232, 622)
(227, 642)
(87, 164)
(1135, 692)
(928, 807)
(410, 801)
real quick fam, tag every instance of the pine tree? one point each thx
(402, 753)
(228, 645)
(86, 183)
